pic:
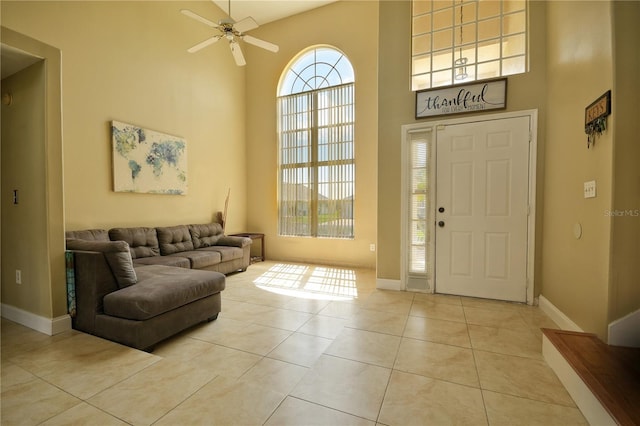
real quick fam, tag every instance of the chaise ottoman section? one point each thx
(161, 289)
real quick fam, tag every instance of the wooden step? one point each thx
(611, 373)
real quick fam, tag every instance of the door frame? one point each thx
(432, 126)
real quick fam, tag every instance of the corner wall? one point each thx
(575, 272)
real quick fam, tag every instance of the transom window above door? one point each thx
(316, 163)
(456, 41)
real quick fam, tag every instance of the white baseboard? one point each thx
(385, 284)
(625, 331)
(588, 404)
(557, 315)
(50, 326)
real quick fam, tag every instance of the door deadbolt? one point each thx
(441, 209)
(441, 224)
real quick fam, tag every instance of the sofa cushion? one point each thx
(161, 289)
(117, 254)
(174, 239)
(180, 262)
(226, 253)
(89, 235)
(205, 235)
(200, 258)
(143, 242)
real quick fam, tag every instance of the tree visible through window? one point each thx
(316, 182)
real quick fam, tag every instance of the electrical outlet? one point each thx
(372, 247)
(590, 189)
(18, 276)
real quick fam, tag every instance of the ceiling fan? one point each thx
(231, 31)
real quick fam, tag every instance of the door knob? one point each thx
(441, 224)
(441, 209)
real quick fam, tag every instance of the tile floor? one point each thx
(299, 345)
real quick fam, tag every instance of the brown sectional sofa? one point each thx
(138, 286)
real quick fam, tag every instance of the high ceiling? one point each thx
(264, 11)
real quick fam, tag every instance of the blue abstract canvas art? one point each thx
(148, 161)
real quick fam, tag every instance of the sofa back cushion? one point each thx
(205, 235)
(117, 254)
(174, 239)
(88, 235)
(143, 242)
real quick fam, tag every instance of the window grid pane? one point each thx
(317, 161)
(490, 34)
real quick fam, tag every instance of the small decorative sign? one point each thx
(595, 117)
(470, 97)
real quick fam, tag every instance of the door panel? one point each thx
(482, 188)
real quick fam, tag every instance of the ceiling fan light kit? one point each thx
(231, 31)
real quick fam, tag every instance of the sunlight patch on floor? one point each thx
(309, 282)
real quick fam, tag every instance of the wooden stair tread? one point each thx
(612, 373)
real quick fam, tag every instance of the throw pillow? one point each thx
(117, 254)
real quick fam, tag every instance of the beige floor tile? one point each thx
(284, 318)
(310, 306)
(245, 312)
(438, 298)
(84, 365)
(295, 412)
(439, 331)
(183, 347)
(506, 341)
(328, 327)
(349, 386)
(256, 339)
(365, 346)
(278, 376)
(33, 402)
(14, 375)
(499, 305)
(416, 400)
(344, 310)
(83, 415)
(437, 310)
(390, 301)
(505, 410)
(169, 382)
(17, 339)
(225, 361)
(379, 321)
(445, 362)
(218, 330)
(301, 349)
(536, 319)
(525, 377)
(225, 401)
(495, 318)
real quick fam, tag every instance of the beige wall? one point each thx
(352, 27)
(127, 61)
(579, 57)
(396, 107)
(24, 225)
(624, 290)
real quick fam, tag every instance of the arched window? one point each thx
(316, 164)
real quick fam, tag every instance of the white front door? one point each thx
(481, 209)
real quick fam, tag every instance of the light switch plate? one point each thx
(590, 189)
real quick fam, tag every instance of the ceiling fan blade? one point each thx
(261, 43)
(204, 44)
(247, 24)
(237, 53)
(198, 18)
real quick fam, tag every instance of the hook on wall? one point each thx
(7, 99)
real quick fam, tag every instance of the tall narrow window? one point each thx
(456, 41)
(316, 182)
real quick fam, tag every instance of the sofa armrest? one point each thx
(227, 240)
(93, 280)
